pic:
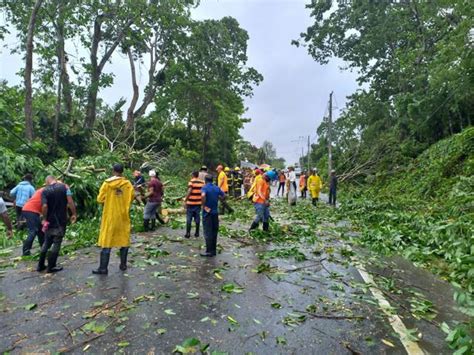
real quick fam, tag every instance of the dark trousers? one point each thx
(282, 188)
(193, 213)
(20, 221)
(303, 192)
(33, 222)
(211, 229)
(52, 239)
(332, 197)
(315, 201)
(225, 207)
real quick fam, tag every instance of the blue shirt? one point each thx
(22, 193)
(212, 193)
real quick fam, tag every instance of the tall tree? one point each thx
(28, 69)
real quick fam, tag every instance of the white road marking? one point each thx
(411, 347)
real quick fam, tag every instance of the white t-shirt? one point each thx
(292, 176)
(3, 207)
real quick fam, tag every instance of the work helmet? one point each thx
(272, 175)
(237, 168)
(227, 168)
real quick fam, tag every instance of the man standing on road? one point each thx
(55, 203)
(116, 194)
(210, 195)
(5, 218)
(332, 188)
(261, 201)
(314, 186)
(193, 204)
(222, 183)
(153, 205)
(303, 184)
(22, 193)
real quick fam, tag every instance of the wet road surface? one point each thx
(257, 296)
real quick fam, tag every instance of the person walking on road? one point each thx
(303, 184)
(153, 205)
(55, 204)
(5, 218)
(116, 194)
(210, 195)
(31, 212)
(261, 201)
(281, 182)
(193, 201)
(222, 183)
(22, 193)
(332, 188)
(314, 186)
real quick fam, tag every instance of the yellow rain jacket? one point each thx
(116, 193)
(222, 182)
(251, 192)
(314, 185)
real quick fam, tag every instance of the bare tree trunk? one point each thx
(58, 112)
(28, 70)
(97, 67)
(130, 116)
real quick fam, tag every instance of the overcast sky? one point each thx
(292, 99)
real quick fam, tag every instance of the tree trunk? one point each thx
(63, 82)
(130, 116)
(28, 70)
(58, 112)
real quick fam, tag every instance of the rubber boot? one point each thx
(153, 224)
(41, 262)
(196, 233)
(253, 226)
(266, 226)
(188, 231)
(158, 217)
(123, 258)
(52, 259)
(103, 265)
(146, 225)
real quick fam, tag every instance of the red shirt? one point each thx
(34, 203)
(157, 195)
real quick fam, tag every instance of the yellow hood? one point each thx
(116, 181)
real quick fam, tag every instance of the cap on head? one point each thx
(203, 168)
(258, 172)
(118, 168)
(152, 173)
(219, 168)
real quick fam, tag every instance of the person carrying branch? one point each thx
(116, 194)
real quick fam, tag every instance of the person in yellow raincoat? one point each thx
(223, 184)
(116, 194)
(258, 174)
(314, 186)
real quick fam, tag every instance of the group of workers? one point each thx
(45, 210)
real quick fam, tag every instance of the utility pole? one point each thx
(330, 135)
(309, 152)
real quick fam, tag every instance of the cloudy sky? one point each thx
(292, 99)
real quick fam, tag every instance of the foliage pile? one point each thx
(426, 214)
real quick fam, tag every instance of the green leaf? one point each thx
(30, 306)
